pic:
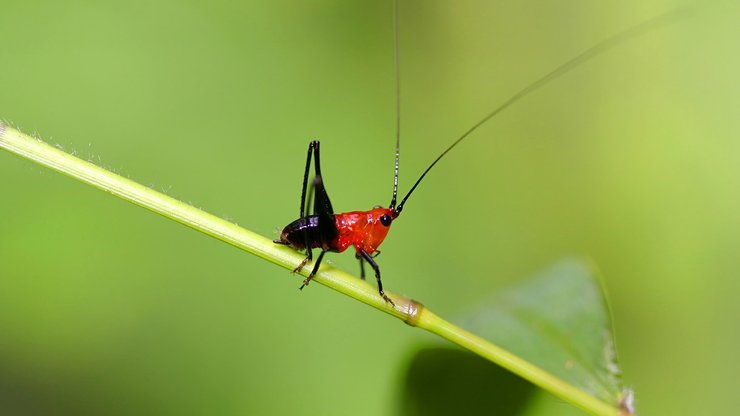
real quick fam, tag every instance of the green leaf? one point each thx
(558, 320)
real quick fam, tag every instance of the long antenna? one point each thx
(398, 103)
(568, 66)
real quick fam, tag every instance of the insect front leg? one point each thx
(362, 262)
(368, 258)
(362, 265)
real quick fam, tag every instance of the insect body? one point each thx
(366, 230)
(363, 230)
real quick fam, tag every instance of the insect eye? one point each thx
(385, 219)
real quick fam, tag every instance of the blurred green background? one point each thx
(631, 159)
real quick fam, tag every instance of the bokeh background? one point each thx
(631, 159)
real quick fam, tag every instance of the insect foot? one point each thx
(305, 282)
(387, 299)
(300, 267)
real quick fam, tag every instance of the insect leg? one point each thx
(326, 229)
(309, 256)
(303, 213)
(322, 204)
(322, 209)
(368, 258)
(318, 187)
(306, 239)
(362, 265)
(315, 269)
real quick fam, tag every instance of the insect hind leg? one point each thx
(314, 270)
(309, 256)
(311, 146)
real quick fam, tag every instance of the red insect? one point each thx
(363, 230)
(366, 230)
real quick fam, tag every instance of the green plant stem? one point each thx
(411, 312)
